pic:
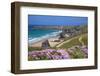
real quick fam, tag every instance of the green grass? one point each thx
(85, 39)
(34, 48)
(75, 41)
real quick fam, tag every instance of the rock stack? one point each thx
(45, 44)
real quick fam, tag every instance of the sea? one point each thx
(36, 35)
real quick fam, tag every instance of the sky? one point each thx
(56, 20)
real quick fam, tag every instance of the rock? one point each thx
(45, 44)
(57, 40)
(62, 36)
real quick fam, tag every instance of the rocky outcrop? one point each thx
(45, 44)
(62, 35)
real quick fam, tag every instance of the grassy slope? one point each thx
(75, 41)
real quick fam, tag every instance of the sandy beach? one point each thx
(52, 42)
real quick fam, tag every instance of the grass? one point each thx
(34, 48)
(75, 41)
(85, 39)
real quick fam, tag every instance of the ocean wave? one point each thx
(37, 39)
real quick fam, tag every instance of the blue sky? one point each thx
(56, 20)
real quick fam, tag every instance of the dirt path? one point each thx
(79, 38)
(65, 42)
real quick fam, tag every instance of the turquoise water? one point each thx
(35, 35)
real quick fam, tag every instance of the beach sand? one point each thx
(52, 42)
